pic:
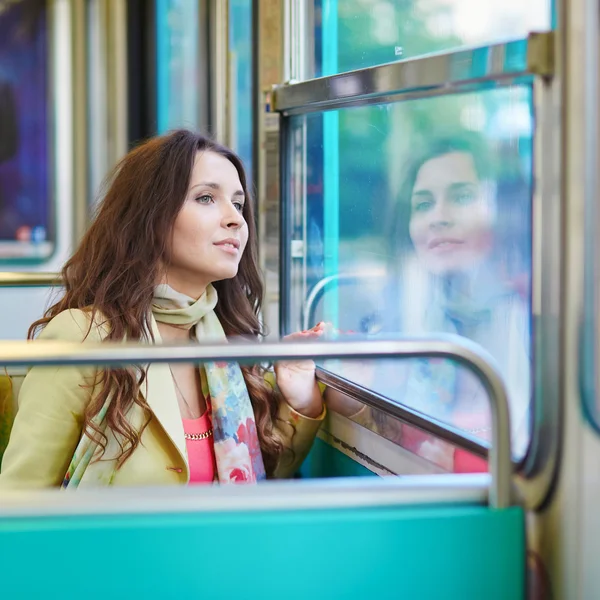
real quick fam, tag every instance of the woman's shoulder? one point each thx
(76, 325)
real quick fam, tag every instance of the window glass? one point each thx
(353, 34)
(26, 207)
(240, 57)
(415, 218)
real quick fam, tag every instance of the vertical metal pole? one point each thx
(117, 80)
(107, 127)
(80, 88)
(219, 31)
(288, 41)
(97, 117)
(61, 87)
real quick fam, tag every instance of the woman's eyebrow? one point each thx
(461, 184)
(215, 186)
(421, 193)
(208, 184)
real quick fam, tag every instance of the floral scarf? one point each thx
(237, 449)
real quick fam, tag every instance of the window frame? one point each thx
(526, 60)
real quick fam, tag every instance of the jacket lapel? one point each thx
(159, 391)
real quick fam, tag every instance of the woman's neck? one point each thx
(173, 333)
(457, 284)
(477, 287)
(184, 285)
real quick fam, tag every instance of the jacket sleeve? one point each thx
(7, 411)
(50, 415)
(297, 432)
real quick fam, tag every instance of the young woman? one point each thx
(170, 256)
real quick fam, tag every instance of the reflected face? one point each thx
(451, 223)
(210, 232)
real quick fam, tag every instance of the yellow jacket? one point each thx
(49, 421)
(7, 411)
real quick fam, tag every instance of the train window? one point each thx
(27, 210)
(415, 217)
(240, 57)
(354, 34)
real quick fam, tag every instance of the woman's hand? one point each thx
(296, 379)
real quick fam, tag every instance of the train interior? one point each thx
(425, 176)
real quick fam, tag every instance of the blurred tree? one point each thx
(373, 140)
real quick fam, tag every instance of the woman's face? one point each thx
(210, 232)
(452, 216)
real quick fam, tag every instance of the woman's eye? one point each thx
(239, 206)
(422, 205)
(204, 199)
(464, 197)
(422, 201)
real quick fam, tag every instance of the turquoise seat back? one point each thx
(450, 552)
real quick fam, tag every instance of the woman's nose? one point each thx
(232, 218)
(441, 216)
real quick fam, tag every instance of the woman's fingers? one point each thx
(315, 332)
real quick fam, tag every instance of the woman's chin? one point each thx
(451, 265)
(226, 274)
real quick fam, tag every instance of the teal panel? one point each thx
(240, 56)
(467, 553)
(326, 461)
(331, 165)
(177, 60)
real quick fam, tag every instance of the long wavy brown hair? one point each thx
(118, 263)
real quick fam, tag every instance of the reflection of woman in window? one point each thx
(462, 239)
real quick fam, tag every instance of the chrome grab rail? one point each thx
(273, 495)
(14, 354)
(321, 286)
(15, 279)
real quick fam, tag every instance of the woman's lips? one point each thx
(229, 245)
(444, 244)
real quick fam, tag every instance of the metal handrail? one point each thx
(272, 495)
(15, 279)
(320, 287)
(451, 347)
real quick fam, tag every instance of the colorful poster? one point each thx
(26, 206)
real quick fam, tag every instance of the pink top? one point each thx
(201, 453)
